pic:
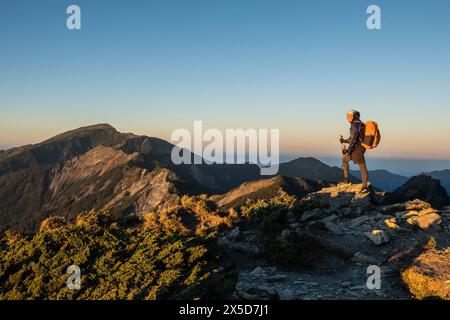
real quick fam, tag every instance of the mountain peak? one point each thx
(306, 160)
(97, 126)
(61, 147)
(311, 168)
(83, 131)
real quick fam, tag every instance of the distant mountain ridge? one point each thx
(383, 179)
(98, 168)
(265, 189)
(311, 168)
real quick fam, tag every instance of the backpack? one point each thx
(371, 135)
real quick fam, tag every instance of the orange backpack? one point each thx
(371, 135)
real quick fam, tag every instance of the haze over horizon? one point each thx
(154, 67)
(401, 166)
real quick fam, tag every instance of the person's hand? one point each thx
(347, 152)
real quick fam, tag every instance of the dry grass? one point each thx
(194, 214)
(429, 275)
(52, 223)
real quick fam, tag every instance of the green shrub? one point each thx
(116, 262)
(281, 245)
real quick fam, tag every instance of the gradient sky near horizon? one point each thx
(149, 67)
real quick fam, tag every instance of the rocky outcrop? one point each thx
(421, 187)
(348, 232)
(341, 196)
(425, 219)
(443, 176)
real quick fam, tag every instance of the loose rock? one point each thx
(378, 237)
(425, 221)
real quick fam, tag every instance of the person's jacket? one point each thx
(356, 135)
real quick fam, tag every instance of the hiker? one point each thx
(355, 150)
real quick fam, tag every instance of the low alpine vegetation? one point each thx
(116, 262)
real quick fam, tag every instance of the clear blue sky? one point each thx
(150, 67)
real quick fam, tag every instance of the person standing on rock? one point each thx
(355, 150)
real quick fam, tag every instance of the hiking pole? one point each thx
(344, 149)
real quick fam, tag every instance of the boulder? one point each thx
(425, 221)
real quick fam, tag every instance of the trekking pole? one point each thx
(343, 147)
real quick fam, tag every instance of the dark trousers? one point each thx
(362, 166)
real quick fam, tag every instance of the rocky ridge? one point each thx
(352, 231)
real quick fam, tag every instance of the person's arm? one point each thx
(354, 138)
